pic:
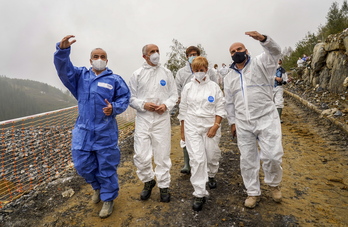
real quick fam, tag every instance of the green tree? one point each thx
(20, 98)
(337, 21)
(304, 46)
(201, 48)
(177, 56)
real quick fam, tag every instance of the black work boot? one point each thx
(198, 203)
(212, 183)
(165, 195)
(186, 169)
(146, 192)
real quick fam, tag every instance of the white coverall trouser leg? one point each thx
(278, 97)
(204, 152)
(153, 139)
(265, 132)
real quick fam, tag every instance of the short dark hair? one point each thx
(192, 48)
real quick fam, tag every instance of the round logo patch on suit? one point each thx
(163, 82)
(211, 99)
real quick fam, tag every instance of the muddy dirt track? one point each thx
(315, 187)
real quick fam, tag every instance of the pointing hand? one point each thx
(255, 35)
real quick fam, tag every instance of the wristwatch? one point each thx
(264, 40)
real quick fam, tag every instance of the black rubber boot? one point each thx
(146, 192)
(280, 110)
(212, 183)
(186, 169)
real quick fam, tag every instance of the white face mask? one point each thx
(200, 76)
(99, 64)
(154, 58)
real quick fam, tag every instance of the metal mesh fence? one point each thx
(36, 149)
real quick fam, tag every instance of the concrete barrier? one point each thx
(309, 105)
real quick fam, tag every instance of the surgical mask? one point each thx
(99, 64)
(239, 57)
(200, 76)
(154, 58)
(191, 59)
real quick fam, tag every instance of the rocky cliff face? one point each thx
(328, 68)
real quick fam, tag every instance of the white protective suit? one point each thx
(185, 74)
(249, 105)
(200, 103)
(278, 92)
(300, 62)
(224, 71)
(152, 135)
(219, 78)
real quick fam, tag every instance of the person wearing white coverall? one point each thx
(253, 116)
(153, 95)
(202, 108)
(184, 76)
(101, 95)
(280, 79)
(224, 70)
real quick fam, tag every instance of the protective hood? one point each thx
(147, 66)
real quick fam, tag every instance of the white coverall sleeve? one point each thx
(173, 93)
(183, 105)
(285, 77)
(271, 55)
(212, 75)
(179, 82)
(229, 105)
(220, 105)
(135, 102)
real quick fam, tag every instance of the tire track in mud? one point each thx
(315, 182)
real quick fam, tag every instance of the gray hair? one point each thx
(145, 49)
(98, 48)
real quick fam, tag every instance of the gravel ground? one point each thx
(315, 183)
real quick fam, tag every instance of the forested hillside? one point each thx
(19, 98)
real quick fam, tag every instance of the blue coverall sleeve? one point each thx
(121, 97)
(68, 74)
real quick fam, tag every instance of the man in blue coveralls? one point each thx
(101, 95)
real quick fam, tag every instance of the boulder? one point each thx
(318, 57)
(329, 64)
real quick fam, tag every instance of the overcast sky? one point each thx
(30, 30)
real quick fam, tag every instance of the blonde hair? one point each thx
(199, 62)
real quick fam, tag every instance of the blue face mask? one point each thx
(191, 59)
